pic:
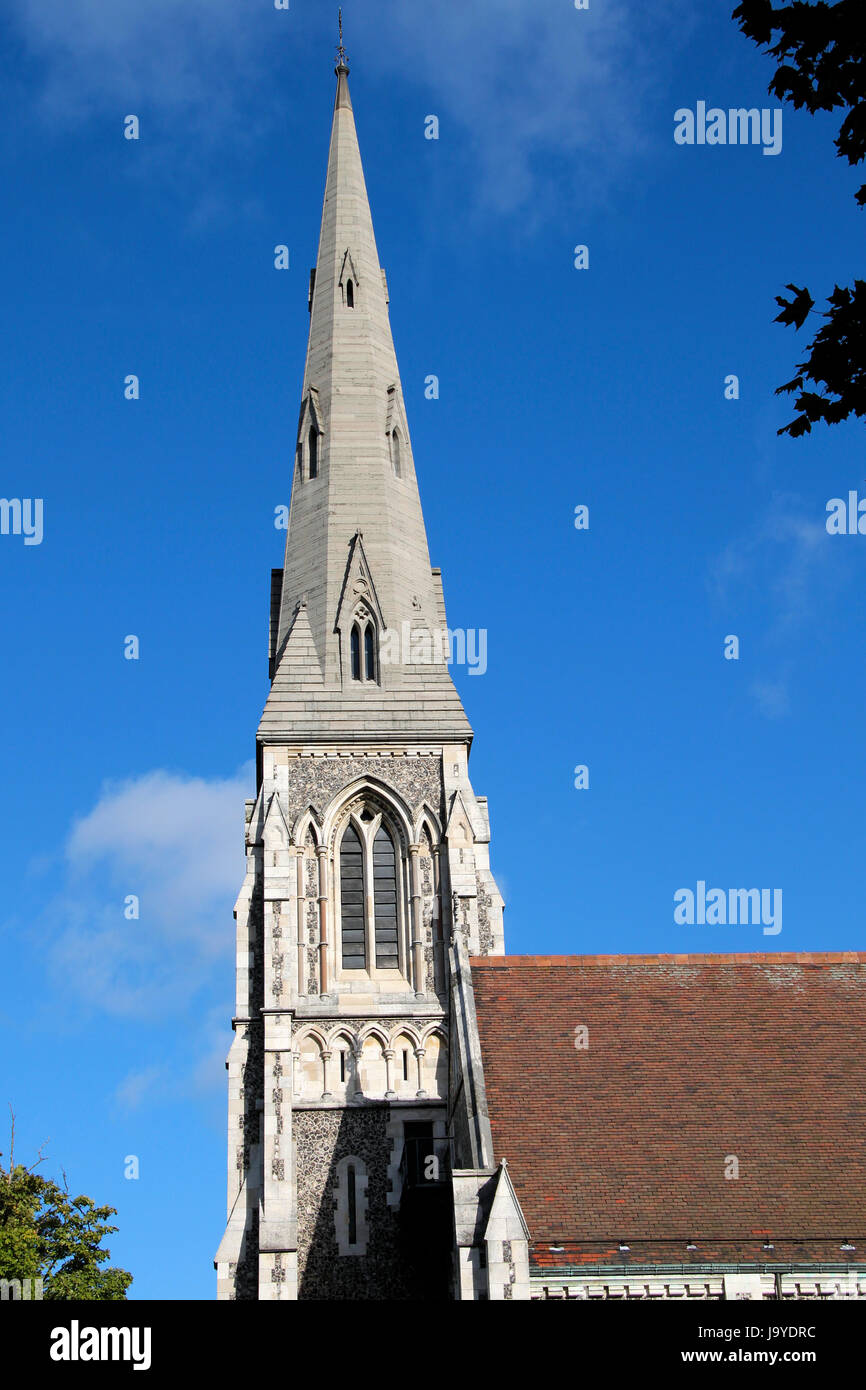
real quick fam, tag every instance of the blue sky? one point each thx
(558, 387)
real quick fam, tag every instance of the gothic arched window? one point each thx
(369, 653)
(371, 910)
(350, 294)
(355, 644)
(314, 452)
(352, 901)
(385, 901)
(395, 451)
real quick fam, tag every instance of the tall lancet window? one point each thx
(363, 651)
(371, 904)
(352, 914)
(385, 901)
(314, 452)
(395, 452)
(350, 295)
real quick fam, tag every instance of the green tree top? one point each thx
(47, 1233)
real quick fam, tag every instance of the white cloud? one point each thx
(533, 84)
(779, 576)
(203, 1045)
(171, 55)
(772, 697)
(521, 88)
(139, 1086)
(783, 559)
(176, 843)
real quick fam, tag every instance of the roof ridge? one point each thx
(689, 958)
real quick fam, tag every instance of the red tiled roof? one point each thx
(690, 1059)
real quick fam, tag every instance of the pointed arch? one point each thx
(434, 1063)
(428, 822)
(310, 1049)
(307, 825)
(350, 1206)
(405, 1047)
(397, 433)
(373, 791)
(355, 649)
(310, 430)
(349, 281)
(375, 1031)
(343, 1047)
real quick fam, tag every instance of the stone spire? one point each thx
(356, 540)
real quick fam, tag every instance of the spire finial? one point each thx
(341, 52)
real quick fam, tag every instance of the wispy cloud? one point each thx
(139, 1086)
(772, 697)
(784, 560)
(539, 99)
(173, 842)
(782, 572)
(532, 85)
(203, 1044)
(174, 56)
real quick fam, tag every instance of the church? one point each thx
(414, 1114)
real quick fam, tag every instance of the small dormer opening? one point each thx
(350, 294)
(313, 445)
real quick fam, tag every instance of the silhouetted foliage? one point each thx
(821, 52)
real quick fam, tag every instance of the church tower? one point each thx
(352, 1104)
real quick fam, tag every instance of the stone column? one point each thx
(388, 1053)
(322, 853)
(419, 1057)
(277, 1233)
(326, 1091)
(417, 921)
(300, 924)
(439, 971)
(359, 1089)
